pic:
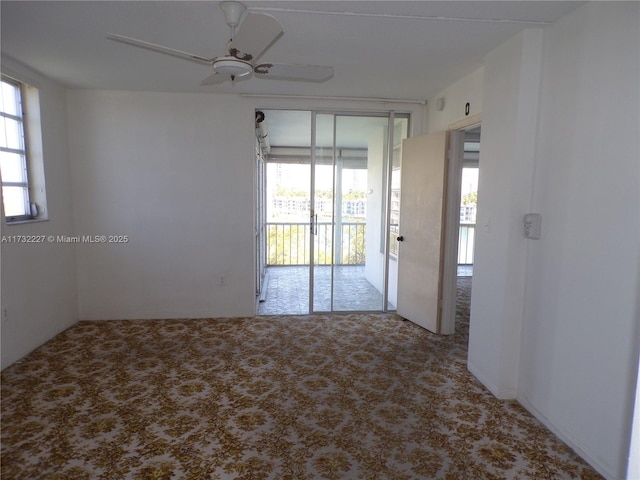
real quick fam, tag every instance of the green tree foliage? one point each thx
(470, 198)
(288, 244)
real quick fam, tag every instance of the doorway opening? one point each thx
(467, 226)
(468, 201)
(323, 225)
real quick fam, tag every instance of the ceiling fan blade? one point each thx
(257, 33)
(303, 73)
(215, 79)
(160, 49)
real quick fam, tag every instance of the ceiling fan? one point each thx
(257, 33)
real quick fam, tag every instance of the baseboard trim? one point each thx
(164, 316)
(501, 395)
(604, 469)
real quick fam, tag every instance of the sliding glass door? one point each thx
(351, 155)
(342, 181)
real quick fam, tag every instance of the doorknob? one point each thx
(401, 238)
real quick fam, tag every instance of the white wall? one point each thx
(175, 173)
(466, 90)
(580, 331)
(511, 86)
(374, 268)
(39, 280)
(554, 321)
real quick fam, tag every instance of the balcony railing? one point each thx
(465, 243)
(288, 244)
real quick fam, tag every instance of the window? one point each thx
(20, 200)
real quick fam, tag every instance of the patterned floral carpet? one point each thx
(361, 396)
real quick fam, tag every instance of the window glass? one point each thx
(12, 137)
(10, 98)
(15, 203)
(13, 168)
(13, 161)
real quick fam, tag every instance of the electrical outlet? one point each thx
(223, 281)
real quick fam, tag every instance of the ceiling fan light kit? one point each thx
(258, 32)
(232, 66)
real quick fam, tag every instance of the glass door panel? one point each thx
(323, 215)
(359, 218)
(400, 132)
(287, 211)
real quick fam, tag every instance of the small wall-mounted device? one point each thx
(532, 225)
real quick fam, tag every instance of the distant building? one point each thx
(355, 208)
(299, 205)
(468, 213)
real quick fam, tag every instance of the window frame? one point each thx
(31, 208)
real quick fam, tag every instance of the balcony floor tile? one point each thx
(288, 290)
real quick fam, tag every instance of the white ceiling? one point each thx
(386, 49)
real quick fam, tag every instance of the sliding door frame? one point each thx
(391, 116)
(313, 225)
(387, 213)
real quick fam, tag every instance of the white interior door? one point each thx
(420, 259)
